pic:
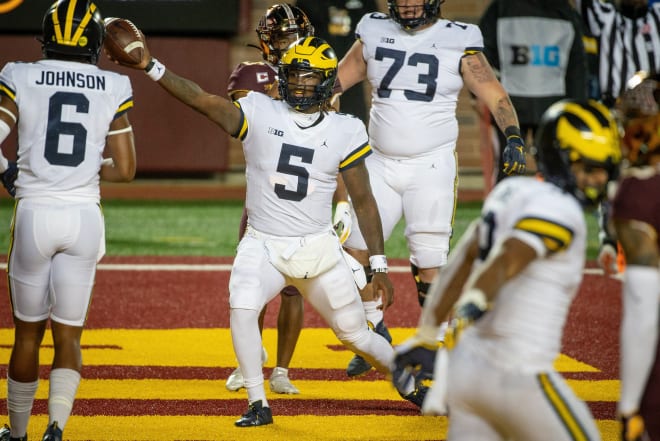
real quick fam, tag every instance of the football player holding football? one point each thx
(281, 25)
(294, 148)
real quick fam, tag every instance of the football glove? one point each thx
(342, 220)
(468, 310)
(414, 358)
(513, 156)
(9, 177)
(632, 428)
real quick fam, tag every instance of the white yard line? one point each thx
(223, 267)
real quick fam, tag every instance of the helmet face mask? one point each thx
(639, 108)
(412, 16)
(307, 73)
(578, 149)
(280, 26)
(73, 29)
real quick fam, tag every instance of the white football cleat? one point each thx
(235, 380)
(280, 383)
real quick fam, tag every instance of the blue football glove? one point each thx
(513, 156)
(9, 177)
(414, 358)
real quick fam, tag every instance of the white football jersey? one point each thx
(65, 111)
(524, 327)
(292, 172)
(415, 79)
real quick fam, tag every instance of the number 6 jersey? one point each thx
(415, 79)
(65, 113)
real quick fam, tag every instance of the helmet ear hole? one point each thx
(73, 30)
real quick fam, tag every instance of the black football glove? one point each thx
(414, 358)
(463, 317)
(9, 177)
(632, 428)
(513, 156)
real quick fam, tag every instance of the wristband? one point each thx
(155, 69)
(474, 296)
(512, 131)
(378, 263)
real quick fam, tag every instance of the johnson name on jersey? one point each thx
(524, 326)
(415, 79)
(65, 113)
(292, 172)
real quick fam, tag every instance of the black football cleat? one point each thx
(257, 415)
(417, 396)
(5, 433)
(53, 433)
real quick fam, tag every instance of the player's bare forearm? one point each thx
(356, 180)
(216, 108)
(504, 262)
(639, 242)
(482, 82)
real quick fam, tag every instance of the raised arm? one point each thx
(216, 108)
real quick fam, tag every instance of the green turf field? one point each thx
(210, 228)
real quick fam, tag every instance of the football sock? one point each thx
(247, 345)
(374, 315)
(63, 387)
(20, 397)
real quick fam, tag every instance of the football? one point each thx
(123, 42)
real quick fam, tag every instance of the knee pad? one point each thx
(422, 287)
(348, 325)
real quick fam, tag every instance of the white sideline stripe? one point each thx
(227, 267)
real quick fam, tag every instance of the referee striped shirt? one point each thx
(625, 45)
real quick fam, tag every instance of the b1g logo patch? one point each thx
(9, 5)
(535, 55)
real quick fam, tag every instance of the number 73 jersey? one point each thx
(292, 171)
(415, 79)
(65, 111)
